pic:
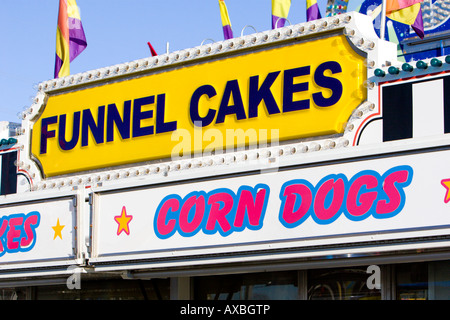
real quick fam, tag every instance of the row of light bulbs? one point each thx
(429, 65)
(265, 156)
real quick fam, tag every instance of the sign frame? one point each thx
(70, 200)
(355, 27)
(306, 247)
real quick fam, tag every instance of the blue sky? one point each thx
(117, 31)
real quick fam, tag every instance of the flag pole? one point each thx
(383, 20)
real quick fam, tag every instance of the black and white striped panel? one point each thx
(416, 109)
(8, 173)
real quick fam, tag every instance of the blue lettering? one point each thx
(85, 122)
(210, 92)
(161, 125)
(327, 82)
(263, 93)
(97, 129)
(231, 89)
(289, 88)
(122, 124)
(63, 143)
(139, 115)
(45, 133)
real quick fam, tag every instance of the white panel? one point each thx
(37, 231)
(418, 204)
(428, 108)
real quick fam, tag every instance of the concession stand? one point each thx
(305, 162)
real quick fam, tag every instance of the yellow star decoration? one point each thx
(446, 184)
(123, 220)
(58, 228)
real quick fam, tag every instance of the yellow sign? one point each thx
(298, 90)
